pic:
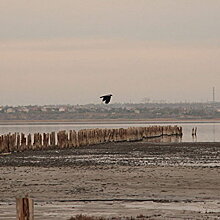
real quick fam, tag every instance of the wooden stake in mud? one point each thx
(25, 209)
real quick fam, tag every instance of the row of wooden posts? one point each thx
(64, 139)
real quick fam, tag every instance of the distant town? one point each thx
(145, 111)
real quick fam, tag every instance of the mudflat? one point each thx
(151, 180)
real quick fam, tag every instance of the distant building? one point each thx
(24, 109)
(44, 109)
(10, 110)
(137, 111)
(62, 109)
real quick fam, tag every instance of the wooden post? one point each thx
(18, 142)
(23, 142)
(25, 209)
(52, 139)
(29, 141)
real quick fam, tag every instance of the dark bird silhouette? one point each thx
(106, 98)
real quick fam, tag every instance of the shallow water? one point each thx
(206, 131)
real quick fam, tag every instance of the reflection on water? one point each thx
(194, 138)
(206, 132)
(165, 139)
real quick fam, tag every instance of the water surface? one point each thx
(206, 131)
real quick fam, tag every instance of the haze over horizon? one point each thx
(72, 51)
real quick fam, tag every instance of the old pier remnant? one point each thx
(65, 139)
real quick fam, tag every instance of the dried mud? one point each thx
(155, 180)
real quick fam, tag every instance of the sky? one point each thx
(74, 51)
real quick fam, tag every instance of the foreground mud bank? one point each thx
(157, 180)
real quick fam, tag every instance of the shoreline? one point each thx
(109, 121)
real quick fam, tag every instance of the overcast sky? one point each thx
(73, 51)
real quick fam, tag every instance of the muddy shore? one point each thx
(157, 180)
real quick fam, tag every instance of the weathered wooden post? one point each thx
(37, 141)
(62, 139)
(72, 138)
(5, 143)
(45, 140)
(23, 142)
(75, 138)
(18, 142)
(79, 137)
(25, 208)
(12, 142)
(52, 139)
(1, 145)
(29, 141)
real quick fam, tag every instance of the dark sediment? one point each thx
(124, 153)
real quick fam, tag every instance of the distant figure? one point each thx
(194, 131)
(106, 98)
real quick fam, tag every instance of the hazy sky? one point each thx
(73, 51)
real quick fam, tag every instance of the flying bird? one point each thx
(106, 98)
